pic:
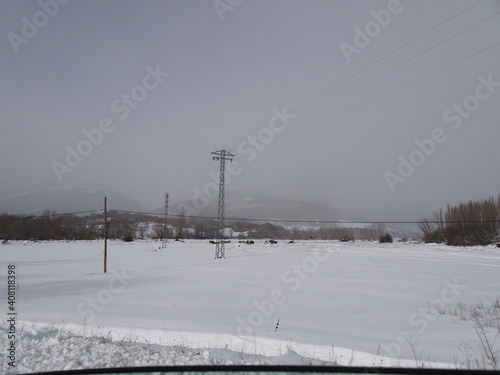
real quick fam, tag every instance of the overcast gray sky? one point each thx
(159, 85)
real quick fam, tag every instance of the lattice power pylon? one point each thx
(222, 156)
(165, 216)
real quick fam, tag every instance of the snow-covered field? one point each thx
(359, 303)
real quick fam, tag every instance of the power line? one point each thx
(372, 64)
(388, 92)
(386, 56)
(369, 66)
(321, 221)
(263, 220)
(396, 66)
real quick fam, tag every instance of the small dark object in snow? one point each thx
(386, 238)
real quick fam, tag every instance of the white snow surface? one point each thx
(359, 304)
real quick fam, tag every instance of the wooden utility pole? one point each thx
(105, 233)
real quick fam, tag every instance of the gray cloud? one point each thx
(226, 78)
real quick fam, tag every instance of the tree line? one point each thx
(53, 226)
(466, 224)
(130, 226)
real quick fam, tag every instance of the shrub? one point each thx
(386, 238)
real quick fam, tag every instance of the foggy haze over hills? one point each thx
(365, 110)
(65, 198)
(68, 198)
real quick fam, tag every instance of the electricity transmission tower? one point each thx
(165, 215)
(222, 156)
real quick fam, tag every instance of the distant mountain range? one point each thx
(64, 198)
(251, 205)
(239, 204)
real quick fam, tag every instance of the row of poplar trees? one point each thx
(466, 224)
